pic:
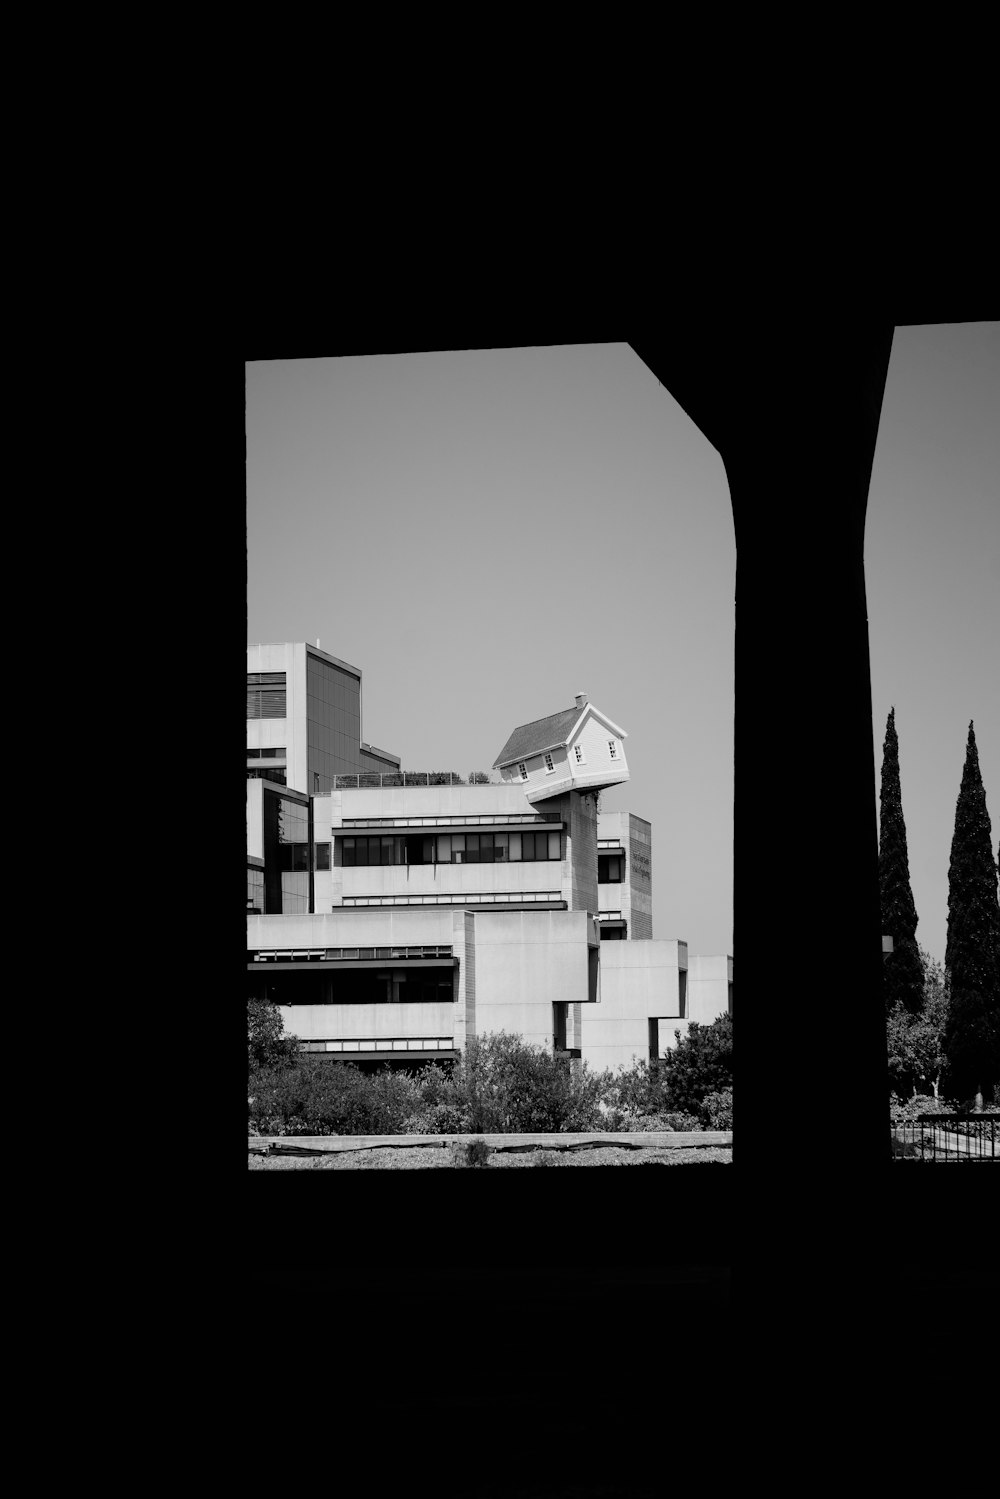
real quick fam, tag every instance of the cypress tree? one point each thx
(902, 969)
(972, 955)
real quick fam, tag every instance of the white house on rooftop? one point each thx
(579, 749)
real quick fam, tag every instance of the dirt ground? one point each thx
(428, 1158)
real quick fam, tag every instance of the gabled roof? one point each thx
(548, 733)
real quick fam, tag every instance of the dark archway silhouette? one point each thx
(792, 403)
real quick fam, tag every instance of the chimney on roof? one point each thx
(317, 642)
(581, 700)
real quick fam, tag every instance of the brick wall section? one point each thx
(579, 811)
(639, 874)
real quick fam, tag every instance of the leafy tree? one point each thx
(267, 1044)
(916, 1042)
(903, 974)
(972, 956)
(700, 1064)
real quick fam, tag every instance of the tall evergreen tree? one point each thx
(972, 955)
(903, 969)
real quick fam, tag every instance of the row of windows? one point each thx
(578, 754)
(610, 869)
(432, 1043)
(486, 898)
(348, 954)
(260, 774)
(466, 819)
(254, 753)
(453, 848)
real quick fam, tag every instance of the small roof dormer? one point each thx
(578, 749)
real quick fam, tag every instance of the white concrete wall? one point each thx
(708, 987)
(639, 981)
(507, 799)
(345, 928)
(360, 1022)
(526, 961)
(291, 731)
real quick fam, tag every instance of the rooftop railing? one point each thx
(376, 779)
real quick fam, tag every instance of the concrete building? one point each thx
(624, 876)
(710, 988)
(304, 718)
(409, 985)
(394, 921)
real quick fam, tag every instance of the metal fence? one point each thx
(947, 1137)
(375, 778)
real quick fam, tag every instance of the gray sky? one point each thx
(487, 533)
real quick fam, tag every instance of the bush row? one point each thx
(500, 1085)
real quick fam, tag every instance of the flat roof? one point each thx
(311, 650)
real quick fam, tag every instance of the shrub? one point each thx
(905, 1110)
(700, 1064)
(716, 1110)
(501, 1085)
(438, 1119)
(632, 1092)
(332, 1098)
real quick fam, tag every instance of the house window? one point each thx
(613, 749)
(523, 770)
(549, 767)
(578, 752)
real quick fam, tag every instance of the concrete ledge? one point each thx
(657, 1140)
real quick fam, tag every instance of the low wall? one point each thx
(655, 1139)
